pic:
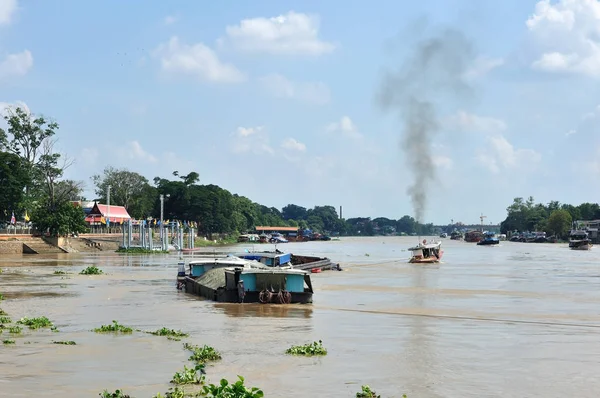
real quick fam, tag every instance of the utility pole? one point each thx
(108, 207)
(162, 204)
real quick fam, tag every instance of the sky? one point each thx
(278, 100)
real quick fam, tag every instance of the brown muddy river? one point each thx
(517, 320)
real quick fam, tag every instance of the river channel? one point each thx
(516, 320)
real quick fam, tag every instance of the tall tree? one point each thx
(128, 189)
(13, 180)
(559, 222)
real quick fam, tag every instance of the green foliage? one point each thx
(366, 392)
(60, 272)
(2, 312)
(5, 319)
(115, 327)
(116, 394)
(559, 222)
(91, 270)
(169, 332)
(140, 250)
(68, 342)
(237, 390)
(1, 297)
(59, 219)
(189, 375)
(7, 342)
(35, 323)
(15, 329)
(202, 354)
(309, 350)
(14, 177)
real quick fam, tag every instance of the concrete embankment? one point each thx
(27, 244)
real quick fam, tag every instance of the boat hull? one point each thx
(488, 243)
(223, 295)
(426, 260)
(585, 246)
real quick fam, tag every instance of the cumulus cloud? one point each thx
(17, 64)
(344, 126)
(468, 122)
(293, 145)
(280, 87)
(134, 151)
(7, 10)
(195, 60)
(501, 155)
(568, 35)
(251, 140)
(291, 34)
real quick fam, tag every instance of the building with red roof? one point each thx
(100, 213)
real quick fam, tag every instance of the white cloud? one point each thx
(134, 151)
(441, 161)
(17, 64)
(482, 66)
(281, 87)
(196, 60)
(468, 122)
(293, 145)
(571, 132)
(170, 19)
(251, 139)
(7, 9)
(292, 33)
(569, 35)
(501, 155)
(345, 126)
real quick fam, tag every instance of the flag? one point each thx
(13, 219)
(26, 216)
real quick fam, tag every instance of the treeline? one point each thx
(553, 218)
(216, 210)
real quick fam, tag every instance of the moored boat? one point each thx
(236, 280)
(579, 240)
(426, 253)
(488, 240)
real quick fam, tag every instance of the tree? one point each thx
(13, 180)
(128, 189)
(68, 190)
(294, 212)
(26, 137)
(559, 222)
(64, 219)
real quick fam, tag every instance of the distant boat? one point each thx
(473, 236)
(579, 240)
(488, 240)
(455, 235)
(443, 235)
(426, 253)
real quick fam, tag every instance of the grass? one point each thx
(173, 334)
(15, 329)
(69, 342)
(116, 394)
(35, 323)
(202, 354)
(115, 327)
(91, 270)
(308, 350)
(7, 342)
(201, 242)
(140, 250)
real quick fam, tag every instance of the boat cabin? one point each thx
(256, 280)
(200, 267)
(270, 259)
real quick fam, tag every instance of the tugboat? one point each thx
(489, 239)
(426, 253)
(579, 240)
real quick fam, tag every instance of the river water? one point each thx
(516, 320)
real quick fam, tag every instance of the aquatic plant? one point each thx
(308, 350)
(140, 250)
(91, 270)
(237, 389)
(5, 319)
(15, 329)
(202, 354)
(366, 392)
(8, 342)
(193, 375)
(169, 333)
(116, 394)
(2, 312)
(69, 342)
(176, 392)
(115, 327)
(35, 323)
(60, 272)
(1, 297)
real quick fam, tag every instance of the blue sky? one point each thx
(275, 100)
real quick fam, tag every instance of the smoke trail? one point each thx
(436, 69)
